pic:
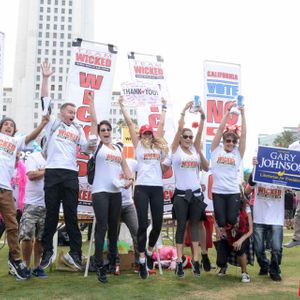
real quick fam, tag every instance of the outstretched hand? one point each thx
(46, 69)
(188, 106)
(121, 101)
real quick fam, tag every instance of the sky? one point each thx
(262, 36)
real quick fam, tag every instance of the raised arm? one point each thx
(33, 135)
(161, 125)
(130, 124)
(46, 73)
(197, 141)
(94, 124)
(216, 141)
(242, 144)
(176, 140)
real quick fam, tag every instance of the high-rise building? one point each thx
(6, 106)
(46, 29)
(1, 69)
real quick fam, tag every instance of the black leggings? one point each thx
(185, 211)
(107, 208)
(143, 195)
(226, 208)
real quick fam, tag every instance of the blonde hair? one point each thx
(158, 143)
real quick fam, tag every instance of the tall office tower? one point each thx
(1, 69)
(46, 29)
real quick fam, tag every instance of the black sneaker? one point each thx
(206, 263)
(263, 272)
(150, 261)
(196, 268)
(275, 277)
(18, 268)
(46, 259)
(101, 274)
(222, 271)
(179, 270)
(144, 274)
(73, 259)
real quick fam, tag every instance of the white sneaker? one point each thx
(245, 277)
(291, 244)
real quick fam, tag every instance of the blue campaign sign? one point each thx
(278, 166)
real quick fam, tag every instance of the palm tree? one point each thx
(121, 123)
(284, 139)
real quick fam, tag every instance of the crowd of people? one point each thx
(246, 217)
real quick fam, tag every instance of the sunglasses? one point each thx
(231, 141)
(105, 129)
(184, 136)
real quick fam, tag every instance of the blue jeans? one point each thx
(275, 232)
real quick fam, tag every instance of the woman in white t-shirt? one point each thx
(226, 157)
(106, 193)
(150, 151)
(187, 159)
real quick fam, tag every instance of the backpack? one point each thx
(91, 164)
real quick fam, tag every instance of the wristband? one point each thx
(183, 114)
(202, 116)
(164, 106)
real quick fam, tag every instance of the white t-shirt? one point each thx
(268, 207)
(149, 170)
(61, 147)
(34, 193)
(186, 169)
(9, 146)
(127, 194)
(295, 146)
(107, 168)
(224, 167)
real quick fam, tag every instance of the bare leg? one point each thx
(243, 263)
(26, 251)
(38, 251)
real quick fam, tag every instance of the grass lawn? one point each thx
(66, 285)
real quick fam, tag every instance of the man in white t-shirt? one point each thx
(9, 146)
(33, 219)
(268, 218)
(61, 177)
(296, 238)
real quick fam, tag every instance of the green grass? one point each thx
(67, 285)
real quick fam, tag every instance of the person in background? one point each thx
(33, 219)
(296, 238)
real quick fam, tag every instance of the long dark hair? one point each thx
(11, 120)
(104, 122)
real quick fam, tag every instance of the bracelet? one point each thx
(183, 114)
(132, 179)
(164, 106)
(164, 110)
(202, 116)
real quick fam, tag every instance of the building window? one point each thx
(4, 107)
(36, 105)
(37, 87)
(56, 10)
(61, 52)
(47, 43)
(42, 1)
(70, 3)
(70, 27)
(60, 87)
(62, 27)
(48, 18)
(39, 43)
(63, 2)
(36, 115)
(62, 10)
(62, 18)
(52, 79)
(40, 34)
(49, 2)
(39, 51)
(61, 69)
(61, 61)
(62, 35)
(53, 60)
(60, 79)
(41, 17)
(35, 125)
(54, 35)
(70, 11)
(58, 105)
(47, 26)
(37, 95)
(61, 44)
(46, 51)
(40, 26)
(38, 77)
(47, 34)
(69, 52)
(59, 96)
(52, 87)
(69, 35)
(56, 2)
(41, 9)
(49, 10)
(38, 69)
(54, 43)
(38, 60)
(53, 52)
(52, 95)
(70, 19)
(55, 18)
